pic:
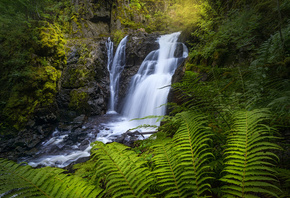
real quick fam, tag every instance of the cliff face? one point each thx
(84, 85)
(84, 82)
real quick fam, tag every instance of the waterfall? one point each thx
(115, 67)
(149, 88)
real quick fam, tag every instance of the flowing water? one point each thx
(115, 67)
(146, 96)
(149, 89)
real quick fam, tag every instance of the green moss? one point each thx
(19, 108)
(118, 35)
(52, 44)
(78, 100)
(39, 91)
(78, 77)
(84, 53)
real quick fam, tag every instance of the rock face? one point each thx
(84, 83)
(93, 19)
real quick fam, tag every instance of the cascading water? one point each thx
(115, 68)
(149, 88)
(147, 93)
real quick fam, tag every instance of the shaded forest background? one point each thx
(239, 60)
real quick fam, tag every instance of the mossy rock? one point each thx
(38, 91)
(52, 45)
(79, 100)
(76, 77)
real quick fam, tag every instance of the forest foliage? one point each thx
(32, 56)
(226, 136)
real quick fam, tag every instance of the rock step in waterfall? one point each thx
(146, 96)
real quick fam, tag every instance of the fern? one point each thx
(181, 165)
(17, 180)
(166, 170)
(191, 141)
(125, 173)
(248, 161)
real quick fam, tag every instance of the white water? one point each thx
(148, 91)
(115, 67)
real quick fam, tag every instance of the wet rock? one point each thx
(79, 120)
(76, 136)
(129, 138)
(173, 94)
(46, 115)
(73, 57)
(70, 169)
(30, 123)
(64, 126)
(84, 144)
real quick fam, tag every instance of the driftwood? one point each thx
(132, 133)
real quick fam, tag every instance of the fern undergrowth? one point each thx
(19, 180)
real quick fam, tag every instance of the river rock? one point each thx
(129, 138)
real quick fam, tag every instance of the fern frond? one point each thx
(181, 165)
(248, 157)
(17, 180)
(166, 161)
(126, 174)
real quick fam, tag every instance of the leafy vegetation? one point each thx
(32, 56)
(225, 133)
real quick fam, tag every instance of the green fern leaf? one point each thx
(191, 141)
(17, 180)
(125, 173)
(166, 162)
(248, 160)
(181, 164)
